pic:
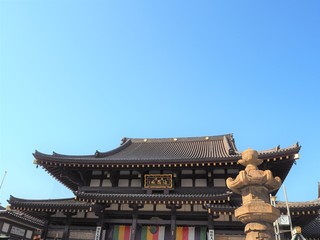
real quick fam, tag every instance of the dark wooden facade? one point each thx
(176, 182)
(18, 225)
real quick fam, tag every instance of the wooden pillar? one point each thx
(66, 229)
(210, 224)
(173, 223)
(210, 221)
(135, 208)
(101, 224)
(44, 233)
(134, 227)
(99, 211)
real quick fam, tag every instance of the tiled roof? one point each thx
(312, 229)
(305, 214)
(48, 205)
(142, 150)
(136, 153)
(165, 198)
(166, 150)
(87, 201)
(309, 207)
(21, 216)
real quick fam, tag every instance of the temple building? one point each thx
(16, 225)
(166, 188)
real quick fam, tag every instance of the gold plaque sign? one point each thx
(158, 181)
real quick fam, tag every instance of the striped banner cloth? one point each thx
(152, 233)
(121, 232)
(191, 233)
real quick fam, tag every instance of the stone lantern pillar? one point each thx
(254, 186)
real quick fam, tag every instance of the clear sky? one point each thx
(78, 76)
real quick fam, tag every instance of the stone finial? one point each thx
(250, 159)
(252, 176)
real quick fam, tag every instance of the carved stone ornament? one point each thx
(254, 186)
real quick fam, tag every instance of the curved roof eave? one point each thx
(19, 203)
(154, 160)
(153, 197)
(300, 205)
(24, 218)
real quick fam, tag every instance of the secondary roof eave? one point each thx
(50, 205)
(20, 217)
(174, 198)
(301, 208)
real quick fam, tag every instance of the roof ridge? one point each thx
(199, 138)
(38, 154)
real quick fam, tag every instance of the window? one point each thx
(232, 171)
(124, 172)
(198, 208)
(219, 182)
(123, 183)
(202, 182)
(95, 183)
(200, 171)
(186, 183)
(186, 171)
(218, 171)
(106, 183)
(135, 182)
(5, 227)
(29, 234)
(185, 208)
(96, 173)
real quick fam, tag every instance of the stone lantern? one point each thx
(254, 186)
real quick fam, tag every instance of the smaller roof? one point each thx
(50, 205)
(308, 207)
(22, 218)
(311, 230)
(200, 198)
(306, 214)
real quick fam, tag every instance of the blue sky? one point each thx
(77, 76)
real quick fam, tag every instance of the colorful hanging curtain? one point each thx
(153, 233)
(201, 233)
(191, 233)
(121, 232)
